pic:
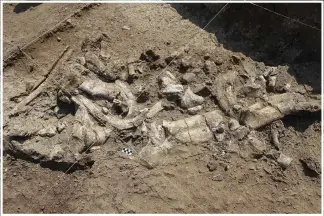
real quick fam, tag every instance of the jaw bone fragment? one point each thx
(116, 122)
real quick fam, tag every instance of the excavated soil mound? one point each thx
(134, 121)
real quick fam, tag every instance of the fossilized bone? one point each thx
(195, 129)
(114, 121)
(260, 114)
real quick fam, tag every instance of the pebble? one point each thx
(166, 79)
(81, 60)
(218, 177)
(49, 131)
(105, 110)
(219, 61)
(211, 166)
(272, 81)
(233, 124)
(284, 160)
(60, 126)
(186, 62)
(188, 78)
(58, 39)
(194, 110)
(126, 28)
(173, 89)
(209, 66)
(256, 143)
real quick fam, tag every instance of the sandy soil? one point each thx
(193, 178)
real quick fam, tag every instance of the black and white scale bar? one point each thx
(127, 151)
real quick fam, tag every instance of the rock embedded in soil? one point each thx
(284, 160)
(190, 99)
(60, 126)
(49, 131)
(173, 89)
(212, 166)
(188, 78)
(256, 143)
(233, 124)
(210, 67)
(194, 110)
(166, 78)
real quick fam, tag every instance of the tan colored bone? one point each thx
(260, 114)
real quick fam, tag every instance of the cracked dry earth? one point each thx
(207, 130)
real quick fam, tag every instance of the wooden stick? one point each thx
(40, 85)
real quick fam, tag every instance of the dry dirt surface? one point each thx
(130, 108)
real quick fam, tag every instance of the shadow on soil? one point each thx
(266, 37)
(22, 7)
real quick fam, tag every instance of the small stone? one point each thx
(14, 174)
(81, 60)
(166, 79)
(219, 61)
(58, 39)
(287, 87)
(105, 110)
(60, 127)
(212, 166)
(188, 78)
(284, 160)
(312, 165)
(272, 81)
(219, 136)
(218, 177)
(233, 147)
(49, 131)
(237, 107)
(94, 148)
(126, 27)
(209, 66)
(29, 86)
(256, 143)
(233, 124)
(186, 62)
(173, 89)
(75, 92)
(269, 70)
(194, 110)
(65, 99)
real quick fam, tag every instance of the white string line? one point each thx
(51, 29)
(173, 184)
(295, 20)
